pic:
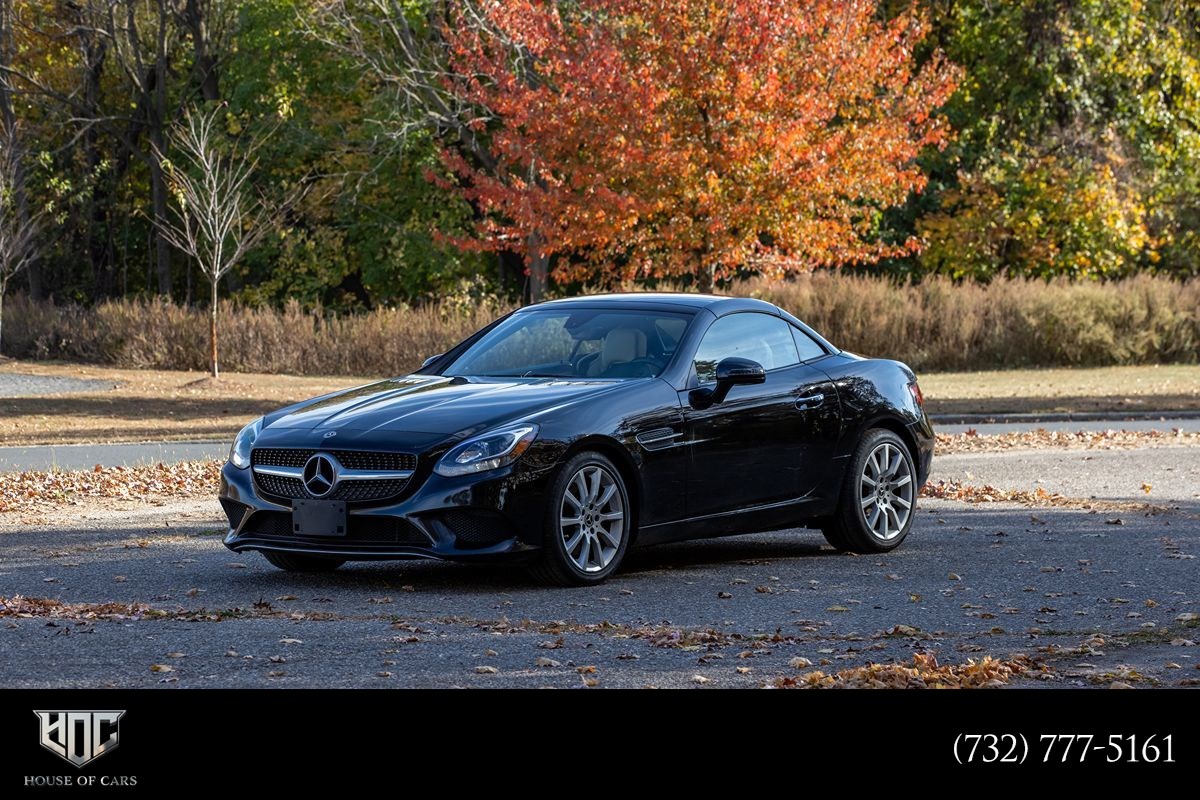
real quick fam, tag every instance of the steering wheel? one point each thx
(584, 363)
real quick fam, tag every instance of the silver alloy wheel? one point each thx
(886, 491)
(591, 518)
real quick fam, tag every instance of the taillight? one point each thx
(915, 389)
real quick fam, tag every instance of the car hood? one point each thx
(431, 404)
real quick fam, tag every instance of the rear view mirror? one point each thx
(731, 372)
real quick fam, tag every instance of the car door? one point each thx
(766, 443)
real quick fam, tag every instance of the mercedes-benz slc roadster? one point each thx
(567, 432)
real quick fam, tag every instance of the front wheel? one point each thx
(878, 497)
(588, 523)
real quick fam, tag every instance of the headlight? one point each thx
(239, 454)
(489, 451)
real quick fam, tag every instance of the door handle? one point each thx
(809, 401)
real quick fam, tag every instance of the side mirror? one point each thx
(430, 360)
(730, 372)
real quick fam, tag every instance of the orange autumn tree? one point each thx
(663, 138)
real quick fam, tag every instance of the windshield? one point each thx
(575, 343)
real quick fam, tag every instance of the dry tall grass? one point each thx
(932, 325)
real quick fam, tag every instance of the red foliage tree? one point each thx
(693, 137)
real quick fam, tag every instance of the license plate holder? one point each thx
(318, 518)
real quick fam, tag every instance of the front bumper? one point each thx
(491, 516)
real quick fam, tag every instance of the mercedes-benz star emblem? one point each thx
(320, 475)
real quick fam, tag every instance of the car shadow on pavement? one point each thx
(393, 576)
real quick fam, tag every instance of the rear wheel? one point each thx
(297, 562)
(878, 498)
(588, 523)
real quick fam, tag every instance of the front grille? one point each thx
(377, 462)
(359, 491)
(281, 456)
(269, 523)
(292, 488)
(351, 491)
(362, 530)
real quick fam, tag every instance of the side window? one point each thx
(805, 344)
(758, 337)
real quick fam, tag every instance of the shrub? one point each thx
(932, 325)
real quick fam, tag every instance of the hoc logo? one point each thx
(79, 736)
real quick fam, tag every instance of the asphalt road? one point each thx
(86, 456)
(1097, 601)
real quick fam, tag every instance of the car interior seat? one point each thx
(621, 345)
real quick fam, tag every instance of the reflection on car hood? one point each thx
(437, 405)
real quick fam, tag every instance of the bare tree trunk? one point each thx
(539, 269)
(158, 195)
(706, 278)
(156, 115)
(3, 287)
(196, 18)
(212, 331)
(8, 118)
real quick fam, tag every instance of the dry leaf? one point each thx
(484, 669)
(800, 663)
(699, 679)
(542, 661)
(161, 668)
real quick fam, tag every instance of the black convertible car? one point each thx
(568, 431)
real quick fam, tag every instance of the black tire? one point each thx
(848, 529)
(297, 562)
(556, 565)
